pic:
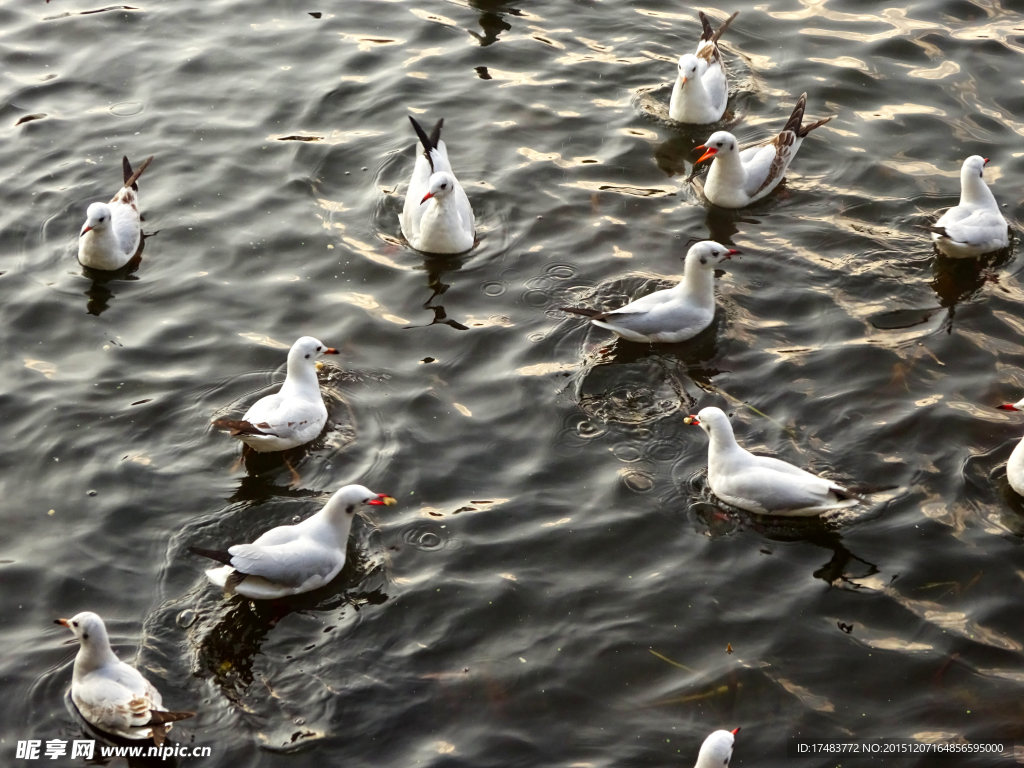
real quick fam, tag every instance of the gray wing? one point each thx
(290, 565)
(673, 317)
(774, 491)
(970, 227)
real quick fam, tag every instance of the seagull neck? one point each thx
(974, 191)
(729, 169)
(693, 91)
(336, 516)
(723, 443)
(94, 654)
(301, 376)
(698, 286)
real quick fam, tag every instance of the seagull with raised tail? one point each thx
(716, 751)
(1015, 466)
(674, 314)
(112, 231)
(111, 695)
(295, 414)
(701, 90)
(761, 484)
(740, 177)
(437, 216)
(975, 226)
(292, 559)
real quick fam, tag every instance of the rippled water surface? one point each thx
(557, 586)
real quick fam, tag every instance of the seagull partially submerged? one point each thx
(292, 559)
(112, 695)
(975, 226)
(112, 231)
(740, 177)
(437, 216)
(673, 314)
(716, 751)
(701, 90)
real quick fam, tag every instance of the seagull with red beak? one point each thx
(701, 90)
(740, 177)
(112, 232)
(975, 226)
(673, 314)
(1015, 466)
(292, 559)
(437, 216)
(716, 751)
(293, 416)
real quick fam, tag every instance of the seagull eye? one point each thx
(74, 623)
(318, 349)
(719, 144)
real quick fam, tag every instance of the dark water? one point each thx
(555, 546)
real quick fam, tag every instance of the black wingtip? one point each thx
(435, 135)
(213, 554)
(593, 314)
(130, 178)
(940, 231)
(425, 140)
(708, 32)
(797, 116)
(126, 168)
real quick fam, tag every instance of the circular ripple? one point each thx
(662, 450)
(425, 536)
(637, 480)
(541, 283)
(537, 336)
(576, 431)
(589, 430)
(626, 452)
(560, 271)
(186, 618)
(536, 298)
(639, 393)
(493, 288)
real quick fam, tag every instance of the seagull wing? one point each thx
(291, 564)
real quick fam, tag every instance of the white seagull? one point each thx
(292, 559)
(1015, 466)
(673, 314)
(761, 484)
(740, 177)
(701, 90)
(112, 231)
(295, 414)
(975, 226)
(437, 216)
(716, 751)
(112, 695)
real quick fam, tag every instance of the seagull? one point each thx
(716, 751)
(437, 216)
(701, 90)
(295, 414)
(292, 559)
(673, 314)
(1015, 466)
(975, 226)
(741, 177)
(111, 234)
(761, 484)
(112, 695)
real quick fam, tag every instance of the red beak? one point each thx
(736, 730)
(986, 161)
(426, 197)
(691, 420)
(62, 622)
(684, 81)
(84, 230)
(710, 153)
(331, 351)
(382, 500)
(1008, 407)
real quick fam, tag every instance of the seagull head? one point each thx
(88, 629)
(974, 166)
(707, 254)
(98, 216)
(711, 419)
(1018, 406)
(717, 749)
(687, 68)
(719, 143)
(308, 348)
(342, 506)
(441, 185)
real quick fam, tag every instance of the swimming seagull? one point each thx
(673, 314)
(295, 414)
(112, 695)
(716, 751)
(112, 231)
(975, 226)
(1015, 466)
(761, 484)
(292, 559)
(437, 216)
(701, 90)
(741, 177)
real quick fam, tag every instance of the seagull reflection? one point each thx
(956, 281)
(492, 20)
(435, 267)
(99, 292)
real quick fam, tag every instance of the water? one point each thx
(555, 544)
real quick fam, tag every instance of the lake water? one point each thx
(556, 587)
